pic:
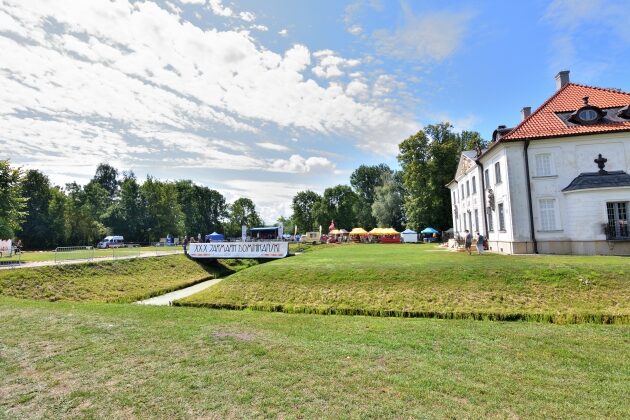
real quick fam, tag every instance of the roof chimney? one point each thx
(562, 78)
(526, 112)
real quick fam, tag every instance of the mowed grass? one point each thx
(109, 281)
(426, 281)
(37, 256)
(126, 361)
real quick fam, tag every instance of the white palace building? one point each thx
(557, 183)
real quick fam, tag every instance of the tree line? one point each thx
(413, 197)
(46, 216)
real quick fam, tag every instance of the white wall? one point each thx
(579, 215)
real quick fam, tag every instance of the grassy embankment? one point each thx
(38, 256)
(424, 281)
(123, 361)
(111, 281)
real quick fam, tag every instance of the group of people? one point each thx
(480, 242)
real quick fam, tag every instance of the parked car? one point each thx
(111, 242)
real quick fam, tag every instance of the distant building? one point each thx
(556, 183)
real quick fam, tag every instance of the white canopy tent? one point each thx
(409, 236)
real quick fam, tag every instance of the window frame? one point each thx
(498, 179)
(501, 214)
(544, 212)
(618, 223)
(550, 164)
(490, 221)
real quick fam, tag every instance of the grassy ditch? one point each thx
(111, 281)
(423, 281)
(126, 361)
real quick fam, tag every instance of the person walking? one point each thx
(468, 242)
(185, 244)
(480, 242)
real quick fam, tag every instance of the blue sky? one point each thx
(264, 99)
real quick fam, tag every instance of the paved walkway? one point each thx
(166, 299)
(146, 254)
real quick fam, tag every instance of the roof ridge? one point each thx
(519, 125)
(611, 90)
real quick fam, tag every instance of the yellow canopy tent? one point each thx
(358, 232)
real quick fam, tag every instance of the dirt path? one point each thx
(166, 299)
(146, 254)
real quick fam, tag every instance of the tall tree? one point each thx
(364, 180)
(82, 223)
(242, 212)
(12, 204)
(204, 209)
(57, 219)
(107, 177)
(163, 212)
(339, 204)
(36, 230)
(303, 207)
(429, 159)
(127, 216)
(387, 208)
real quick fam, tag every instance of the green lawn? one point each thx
(110, 281)
(32, 256)
(65, 359)
(426, 281)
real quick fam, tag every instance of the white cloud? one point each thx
(355, 30)
(283, 32)
(261, 28)
(273, 146)
(431, 36)
(273, 199)
(585, 34)
(218, 9)
(247, 16)
(330, 64)
(136, 85)
(299, 164)
(356, 88)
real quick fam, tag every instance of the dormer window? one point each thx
(588, 114)
(624, 112)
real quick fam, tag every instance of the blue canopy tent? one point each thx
(429, 230)
(215, 237)
(429, 234)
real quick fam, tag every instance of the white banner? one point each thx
(244, 233)
(239, 250)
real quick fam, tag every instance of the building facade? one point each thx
(556, 183)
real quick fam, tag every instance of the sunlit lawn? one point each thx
(121, 361)
(424, 280)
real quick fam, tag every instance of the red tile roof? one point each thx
(545, 123)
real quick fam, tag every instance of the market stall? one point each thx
(358, 235)
(390, 236)
(409, 236)
(430, 235)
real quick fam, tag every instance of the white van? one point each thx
(311, 238)
(112, 242)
